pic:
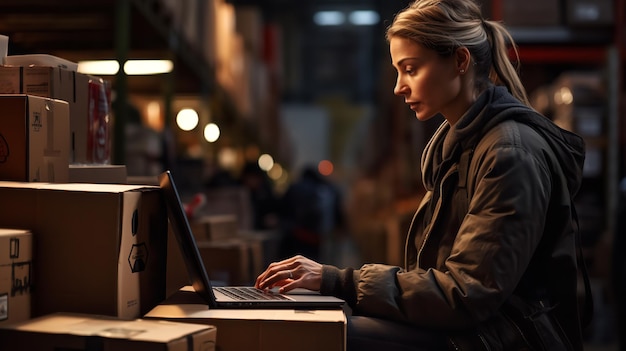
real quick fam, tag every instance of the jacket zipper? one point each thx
(435, 213)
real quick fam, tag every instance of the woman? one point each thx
(491, 252)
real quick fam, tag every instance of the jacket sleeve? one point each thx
(488, 254)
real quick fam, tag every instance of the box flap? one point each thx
(88, 187)
(93, 325)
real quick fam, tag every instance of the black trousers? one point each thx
(372, 334)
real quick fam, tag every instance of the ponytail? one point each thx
(503, 71)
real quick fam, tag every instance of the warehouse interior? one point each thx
(282, 84)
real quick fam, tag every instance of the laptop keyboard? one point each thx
(248, 293)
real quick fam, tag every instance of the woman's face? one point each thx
(429, 83)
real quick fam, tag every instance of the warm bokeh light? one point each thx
(563, 96)
(153, 115)
(211, 132)
(146, 67)
(325, 167)
(99, 67)
(187, 119)
(266, 162)
(227, 158)
(131, 67)
(276, 172)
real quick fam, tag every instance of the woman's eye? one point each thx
(409, 70)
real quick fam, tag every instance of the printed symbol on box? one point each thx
(14, 248)
(134, 225)
(4, 307)
(138, 257)
(50, 151)
(36, 121)
(4, 149)
(20, 278)
(122, 333)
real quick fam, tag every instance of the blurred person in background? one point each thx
(262, 196)
(310, 213)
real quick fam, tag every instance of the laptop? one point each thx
(229, 296)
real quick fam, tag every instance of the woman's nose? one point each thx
(399, 88)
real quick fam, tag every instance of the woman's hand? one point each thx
(295, 272)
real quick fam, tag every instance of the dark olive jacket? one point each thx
(496, 221)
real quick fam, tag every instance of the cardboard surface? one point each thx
(259, 330)
(16, 264)
(214, 227)
(100, 248)
(64, 331)
(34, 139)
(101, 174)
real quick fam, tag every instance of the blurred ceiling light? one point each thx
(187, 119)
(211, 132)
(329, 18)
(146, 67)
(101, 67)
(364, 17)
(266, 162)
(131, 67)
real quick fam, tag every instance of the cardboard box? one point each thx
(100, 174)
(34, 139)
(16, 259)
(215, 227)
(64, 331)
(40, 60)
(236, 261)
(259, 330)
(230, 201)
(227, 261)
(62, 84)
(100, 248)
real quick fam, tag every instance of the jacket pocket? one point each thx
(517, 326)
(538, 324)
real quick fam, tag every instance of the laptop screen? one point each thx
(186, 241)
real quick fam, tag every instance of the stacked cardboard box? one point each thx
(87, 97)
(34, 134)
(16, 268)
(99, 248)
(84, 139)
(259, 329)
(231, 256)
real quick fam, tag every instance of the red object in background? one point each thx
(99, 116)
(194, 206)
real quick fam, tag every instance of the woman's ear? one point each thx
(462, 57)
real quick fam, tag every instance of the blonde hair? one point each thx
(446, 25)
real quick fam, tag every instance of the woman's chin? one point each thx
(422, 116)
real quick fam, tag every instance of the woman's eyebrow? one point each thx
(404, 59)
